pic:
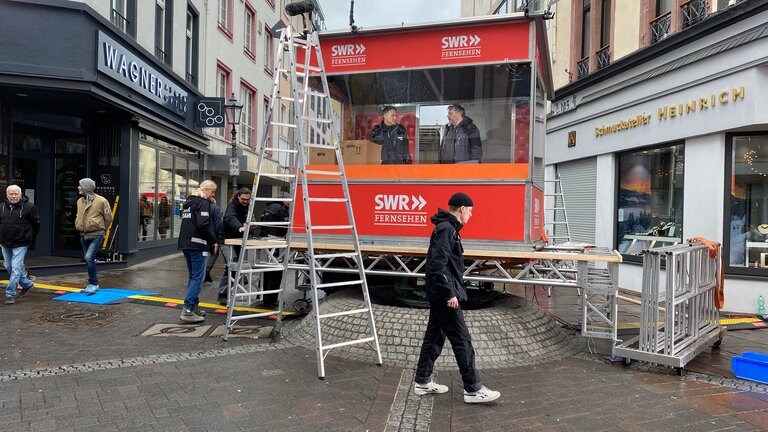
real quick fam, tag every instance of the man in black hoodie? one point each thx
(445, 289)
(19, 225)
(234, 225)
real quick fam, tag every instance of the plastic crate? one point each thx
(751, 366)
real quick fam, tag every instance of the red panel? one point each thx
(537, 213)
(490, 43)
(397, 209)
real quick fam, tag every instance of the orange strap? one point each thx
(720, 288)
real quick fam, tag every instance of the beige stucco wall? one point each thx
(559, 35)
(626, 33)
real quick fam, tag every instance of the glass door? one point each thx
(70, 165)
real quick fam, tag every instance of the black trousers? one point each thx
(446, 322)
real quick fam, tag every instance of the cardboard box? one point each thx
(360, 152)
(321, 156)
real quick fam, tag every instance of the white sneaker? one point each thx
(429, 388)
(483, 395)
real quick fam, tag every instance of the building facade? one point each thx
(659, 131)
(112, 90)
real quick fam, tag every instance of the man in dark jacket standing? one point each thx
(392, 138)
(19, 225)
(275, 211)
(233, 227)
(196, 240)
(445, 289)
(461, 142)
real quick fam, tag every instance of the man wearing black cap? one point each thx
(461, 142)
(445, 289)
(392, 138)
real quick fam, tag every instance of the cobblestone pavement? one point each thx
(76, 367)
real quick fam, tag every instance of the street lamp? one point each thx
(233, 111)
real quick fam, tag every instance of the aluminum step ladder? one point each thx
(311, 125)
(557, 228)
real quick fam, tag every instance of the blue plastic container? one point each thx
(751, 366)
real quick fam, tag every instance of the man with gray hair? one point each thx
(93, 218)
(19, 225)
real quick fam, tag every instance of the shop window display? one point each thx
(166, 178)
(650, 199)
(748, 209)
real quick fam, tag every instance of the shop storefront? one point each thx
(90, 102)
(674, 140)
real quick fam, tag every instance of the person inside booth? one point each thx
(461, 141)
(392, 138)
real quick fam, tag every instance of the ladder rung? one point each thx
(260, 270)
(336, 255)
(330, 227)
(308, 67)
(290, 125)
(340, 200)
(277, 224)
(343, 313)
(339, 284)
(316, 119)
(254, 315)
(313, 93)
(557, 223)
(277, 175)
(352, 342)
(325, 146)
(269, 199)
(323, 172)
(282, 150)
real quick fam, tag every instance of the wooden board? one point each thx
(613, 256)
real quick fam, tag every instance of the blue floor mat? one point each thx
(103, 296)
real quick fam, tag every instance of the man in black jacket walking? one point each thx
(392, 138)
(445, 289)
(234, 225)
(19, 225)
(197, 240)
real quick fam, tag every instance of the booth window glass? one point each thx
(748, 209)
(494, 128)
(650, 198)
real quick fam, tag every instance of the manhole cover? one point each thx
(79, 318)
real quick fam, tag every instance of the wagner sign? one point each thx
(119, 63)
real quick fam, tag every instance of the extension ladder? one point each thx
(311, 125)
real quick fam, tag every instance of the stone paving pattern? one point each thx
(93, 371)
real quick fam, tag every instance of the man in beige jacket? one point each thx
(93, 218)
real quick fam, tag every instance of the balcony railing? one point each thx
(160, 54)
(583, 68)
(660, 27)
(118, 20)
(603, 57)
(693, 13)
